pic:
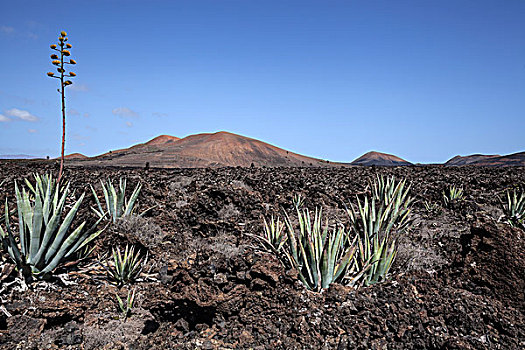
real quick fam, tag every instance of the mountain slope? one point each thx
(205, 150)
(466, 160)
(75, 156)
(515, 159)
(379, 159)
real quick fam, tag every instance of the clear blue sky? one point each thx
(425, 80)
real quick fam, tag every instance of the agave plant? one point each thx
(273, 237)
(117, 205)
(45, 238)
(376, 245)
(126, 267)
(432, 208)
(127, 306)
(321, 255)
(514, 209)
(386, 190)
(377, 222)
(452, 196)
(298, 200)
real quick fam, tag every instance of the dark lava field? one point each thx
(458, 281)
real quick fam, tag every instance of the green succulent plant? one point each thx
(321, 255)
(386, 190)
(378, 221)
(514, 209)
(273, 237)
(432, 208)
(117, 205)
(125, 307)
(453, 196)
(360, 255)
(45, 238)
(126, 267)
(298, 200)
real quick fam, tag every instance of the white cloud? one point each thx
(159, 114)
(72, 112)
(21, 114)
(7, 29)
(31, 131)
(78, 87)
(125, 112)
(3, 118)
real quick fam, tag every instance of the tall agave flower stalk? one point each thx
(60, 62)
(45, 237)
(320, 255)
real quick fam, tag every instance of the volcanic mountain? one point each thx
(466, 160)
(75, 156)
(515, 159)
(380, 159)
(205, 150)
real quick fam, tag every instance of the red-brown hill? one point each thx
(466, 160)
(75, 156)
(515, 159)
(380, 159)
(205, 150)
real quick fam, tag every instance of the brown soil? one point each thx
(458, 282)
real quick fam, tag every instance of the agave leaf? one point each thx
(64, 227)
(133, 199)
(47, 202)
(83, 242)
(8, 240)
(114, 201)
(108, 200)
(30, 185)
(63, 249)
(120, 197)
(36, 229)
(21, 225)
(51, 227)
(97, 200)
(344, 262)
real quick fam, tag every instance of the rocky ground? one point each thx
(458, 280)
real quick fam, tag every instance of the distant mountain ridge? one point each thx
(380, 159)
(223, 149)
(514, 159)
(466, 160)
(18, 156)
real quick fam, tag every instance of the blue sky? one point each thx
(425, 80)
